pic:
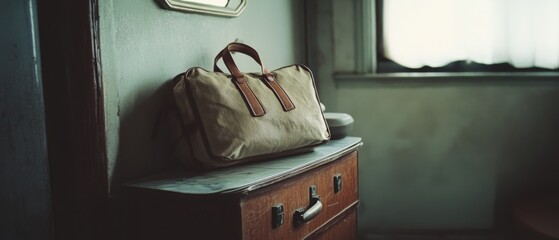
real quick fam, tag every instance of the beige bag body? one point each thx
(230, 119)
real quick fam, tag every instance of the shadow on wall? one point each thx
(529, 168)
(139, 154)
(534, 147)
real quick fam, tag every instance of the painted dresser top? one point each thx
(247, 177)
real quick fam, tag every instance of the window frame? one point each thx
(367, 45)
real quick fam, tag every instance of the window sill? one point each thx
(450, 77)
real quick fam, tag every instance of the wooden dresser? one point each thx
(308, 196)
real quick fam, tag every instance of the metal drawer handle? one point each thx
(302, 216)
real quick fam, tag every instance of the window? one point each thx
(464, 35)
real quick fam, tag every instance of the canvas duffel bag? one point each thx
(226, 119)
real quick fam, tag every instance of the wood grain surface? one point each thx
(256, 211)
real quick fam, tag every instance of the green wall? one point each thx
(144, 46)
(440, 157)
(440, 154)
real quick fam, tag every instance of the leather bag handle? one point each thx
(240, 82)
(241, 48)
(268, 78)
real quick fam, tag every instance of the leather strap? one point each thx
(269, 79)
(251, 100)
(242, 48)
(239, 80)
(230, 64)
(284, 99)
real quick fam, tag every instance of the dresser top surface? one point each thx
(247, 177)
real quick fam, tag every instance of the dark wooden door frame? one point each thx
(75, 117)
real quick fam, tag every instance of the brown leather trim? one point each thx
(242, 48)
(270, 81)
(280, 93)
(230, 64)
(251, 100)
(239, 47)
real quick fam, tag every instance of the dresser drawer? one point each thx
(237, 202)
(346, 228)
(294, 194)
